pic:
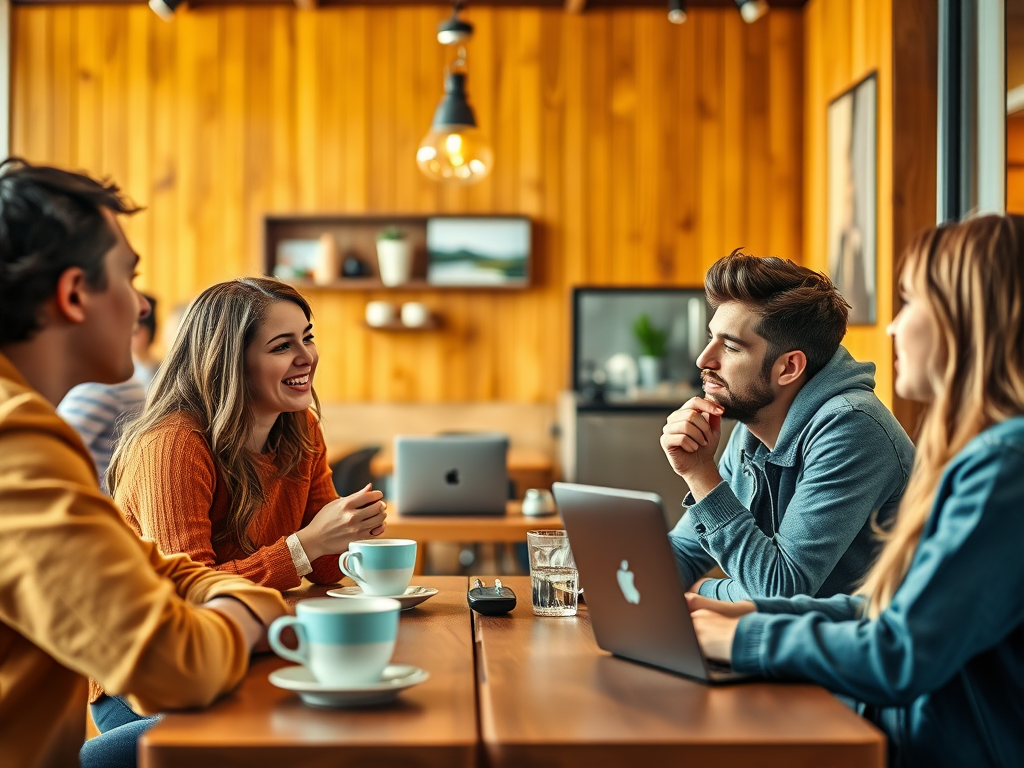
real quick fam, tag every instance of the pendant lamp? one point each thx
(454, 149)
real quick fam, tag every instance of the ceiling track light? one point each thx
(752, 10)
(677, 11)
(165, 8)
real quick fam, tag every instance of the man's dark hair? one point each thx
(50, 220)
(799, 308)
(149, 321)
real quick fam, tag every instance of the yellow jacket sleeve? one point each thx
(79, 585)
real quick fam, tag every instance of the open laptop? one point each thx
(451, 474)
(637, 604)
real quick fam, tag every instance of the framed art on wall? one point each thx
(853, 197)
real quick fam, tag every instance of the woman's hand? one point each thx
(343, 521)
(715, 633)
(696, 603)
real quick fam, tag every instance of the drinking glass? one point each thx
(553, 575)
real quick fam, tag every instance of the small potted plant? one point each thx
(652, 342)
(394, 256)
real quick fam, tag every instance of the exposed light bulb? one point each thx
(454, 149)
(752, 10)
(677, 11)
(455, 153)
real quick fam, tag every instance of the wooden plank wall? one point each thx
(845, 41)
(643, 151)
(1015, 163)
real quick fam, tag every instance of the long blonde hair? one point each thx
(203, 376)
(971, 278)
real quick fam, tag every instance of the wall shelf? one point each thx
(433, 324)
(356, 235)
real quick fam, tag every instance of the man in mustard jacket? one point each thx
(80, 595)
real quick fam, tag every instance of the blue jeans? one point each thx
(120, 727)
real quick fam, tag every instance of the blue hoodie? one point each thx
(941, 670)
(798, 519)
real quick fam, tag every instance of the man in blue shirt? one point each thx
(816, 459)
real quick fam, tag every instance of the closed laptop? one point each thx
(451, 474)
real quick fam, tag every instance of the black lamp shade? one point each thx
(454, 109)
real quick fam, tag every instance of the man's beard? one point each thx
(744, 408)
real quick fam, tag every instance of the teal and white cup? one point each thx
(341, 642)
(380, 566)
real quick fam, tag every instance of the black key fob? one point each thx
(491, 601)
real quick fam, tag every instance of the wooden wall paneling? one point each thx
(611, 130)
(570, 253)
(1015, 163)
(200, 153)
(601, 173)
(114, 114)
(845, 42)
(624, 260)
(63, 89)
(355, 85)
(913, 144)
(552, 328)
(648, 119)
(733, 203)
(754, 175)
(525, 343)
(138, 127)
(310, 92)
(787, 106)
(283, 86)
(236, 230)
(711, 80)
(88, 143)
(32, 116)
(684, 174)
(162, 263)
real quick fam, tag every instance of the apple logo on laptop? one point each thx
(452, 477)
(625, 577)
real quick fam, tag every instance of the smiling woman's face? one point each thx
(280, 362)
(915, 342)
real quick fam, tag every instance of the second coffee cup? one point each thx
(380, 566)
(341, 642)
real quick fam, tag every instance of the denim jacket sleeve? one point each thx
(963, 594)
(692, 561)
(845, 475)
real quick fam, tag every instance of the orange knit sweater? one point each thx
(171, 492)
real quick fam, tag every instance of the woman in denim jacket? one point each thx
(933, 643)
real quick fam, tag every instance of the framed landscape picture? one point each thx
(853, 198)
(479, 251)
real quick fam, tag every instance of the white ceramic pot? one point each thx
(414, 314)
(394, 257)
(650, 371)
(379, 313)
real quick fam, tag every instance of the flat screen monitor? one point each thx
(603, 331)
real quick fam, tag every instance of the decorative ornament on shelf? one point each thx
(394, 256)
(454, 148)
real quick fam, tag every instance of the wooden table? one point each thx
(509, 528)
(433, 724)
(549, 696)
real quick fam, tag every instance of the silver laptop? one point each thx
(451, 474)
(636, 602)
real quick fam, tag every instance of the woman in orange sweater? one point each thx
(227, 462)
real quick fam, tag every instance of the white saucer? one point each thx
(396, 678)
(412, 596)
